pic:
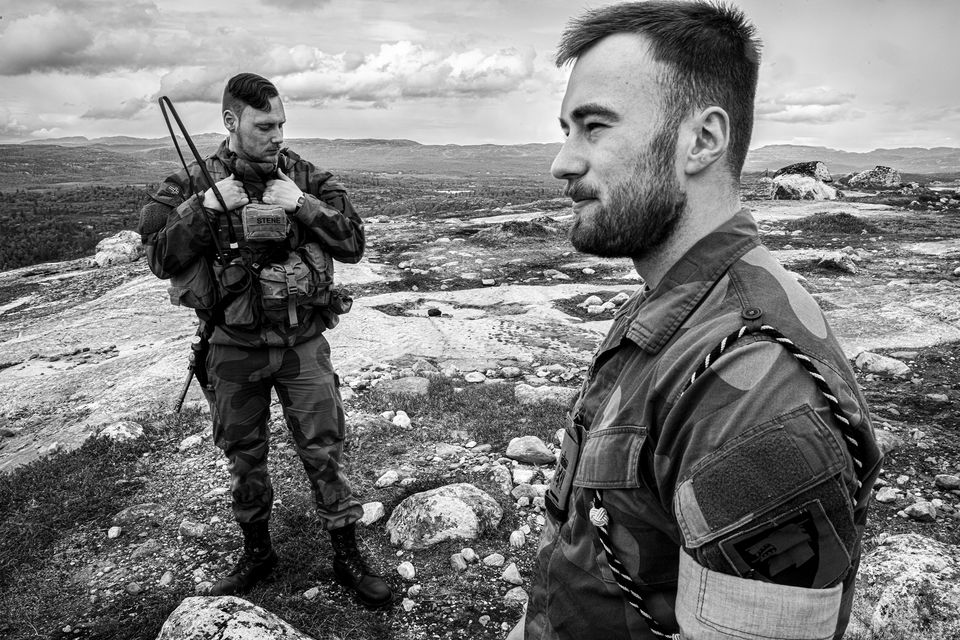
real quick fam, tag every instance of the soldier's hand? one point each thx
(283, 192)
(233, 195)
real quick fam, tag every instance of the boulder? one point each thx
(910, 589)
(453, 512)
(225, 618)
(882, 365)
(530, 449)
(792, 186)
(119, 249)
(877, 178)
(814, 169)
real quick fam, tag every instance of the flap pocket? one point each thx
(765, 466)
(609, 458)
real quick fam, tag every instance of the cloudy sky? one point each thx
(847, 74)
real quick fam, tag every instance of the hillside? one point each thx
(127, 160)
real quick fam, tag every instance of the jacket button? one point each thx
(751, 313)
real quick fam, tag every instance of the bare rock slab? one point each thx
(453, 512)
(225, 618)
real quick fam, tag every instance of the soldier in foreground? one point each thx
(253, 257)
(718, 463)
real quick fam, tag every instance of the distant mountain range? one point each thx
(130, 159)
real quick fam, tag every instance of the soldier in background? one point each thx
(718, 463)
(266, 334)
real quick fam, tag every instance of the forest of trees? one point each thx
(63, 223)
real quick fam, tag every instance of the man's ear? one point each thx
(230, 120)
(709, 138)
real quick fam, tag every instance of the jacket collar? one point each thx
(657, 314)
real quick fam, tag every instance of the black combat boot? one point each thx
(353, 572)
(255, 563)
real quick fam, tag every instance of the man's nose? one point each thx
(569, 163)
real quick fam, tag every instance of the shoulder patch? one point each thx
(172, 189)
(799, 548)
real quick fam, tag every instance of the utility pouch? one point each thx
(194, 287)
(264, 223)
(242, 311)
(284, 287)
(557, 497)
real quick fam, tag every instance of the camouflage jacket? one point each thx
(729, 500)
(175, 234)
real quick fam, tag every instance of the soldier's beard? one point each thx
(642, 212)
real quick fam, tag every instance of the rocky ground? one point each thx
(494, 309)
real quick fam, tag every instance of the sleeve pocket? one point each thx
(609, 458)
(713, 605)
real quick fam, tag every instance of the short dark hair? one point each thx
(248, 89)
(711, 52)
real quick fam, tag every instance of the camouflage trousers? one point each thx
(242, 379)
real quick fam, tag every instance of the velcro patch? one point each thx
(799, 548)
(172, 189)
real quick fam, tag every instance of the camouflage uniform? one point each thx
(738, 490)
(248, 356)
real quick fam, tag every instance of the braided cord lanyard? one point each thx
(601, 519)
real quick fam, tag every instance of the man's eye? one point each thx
(591, 127)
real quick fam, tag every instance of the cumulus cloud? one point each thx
(10, 126)
(399, 70)
(89, 39)
(811, 105)
(126, 109)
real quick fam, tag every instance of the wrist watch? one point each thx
(300, 202)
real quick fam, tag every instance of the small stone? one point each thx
(516, 596)
(511, 372)
(475, 377)
(311, 593)
(494, 560)
(414, 590)
(457, 562)
(133, 588)
(591, 301)
(402, 420)
(488, 282)
(529, 449)
(484, 620)
(406, 570)
(469, 555)
(114, 532)
(523, 475)
(190, 442)
(922, 511)
(166, 579)
(881, 365)
(388, 415)
(587, 271)
(191, 529)
(372, 511)
(203, 588)
(408, 605)
(517, 539)
(388, 479)
(433, 312)
(946, 481)
(887, 494)
(511, 574)
(940, 398)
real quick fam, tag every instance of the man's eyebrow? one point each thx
(594, 109)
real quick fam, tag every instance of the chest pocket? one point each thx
(610, 458)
